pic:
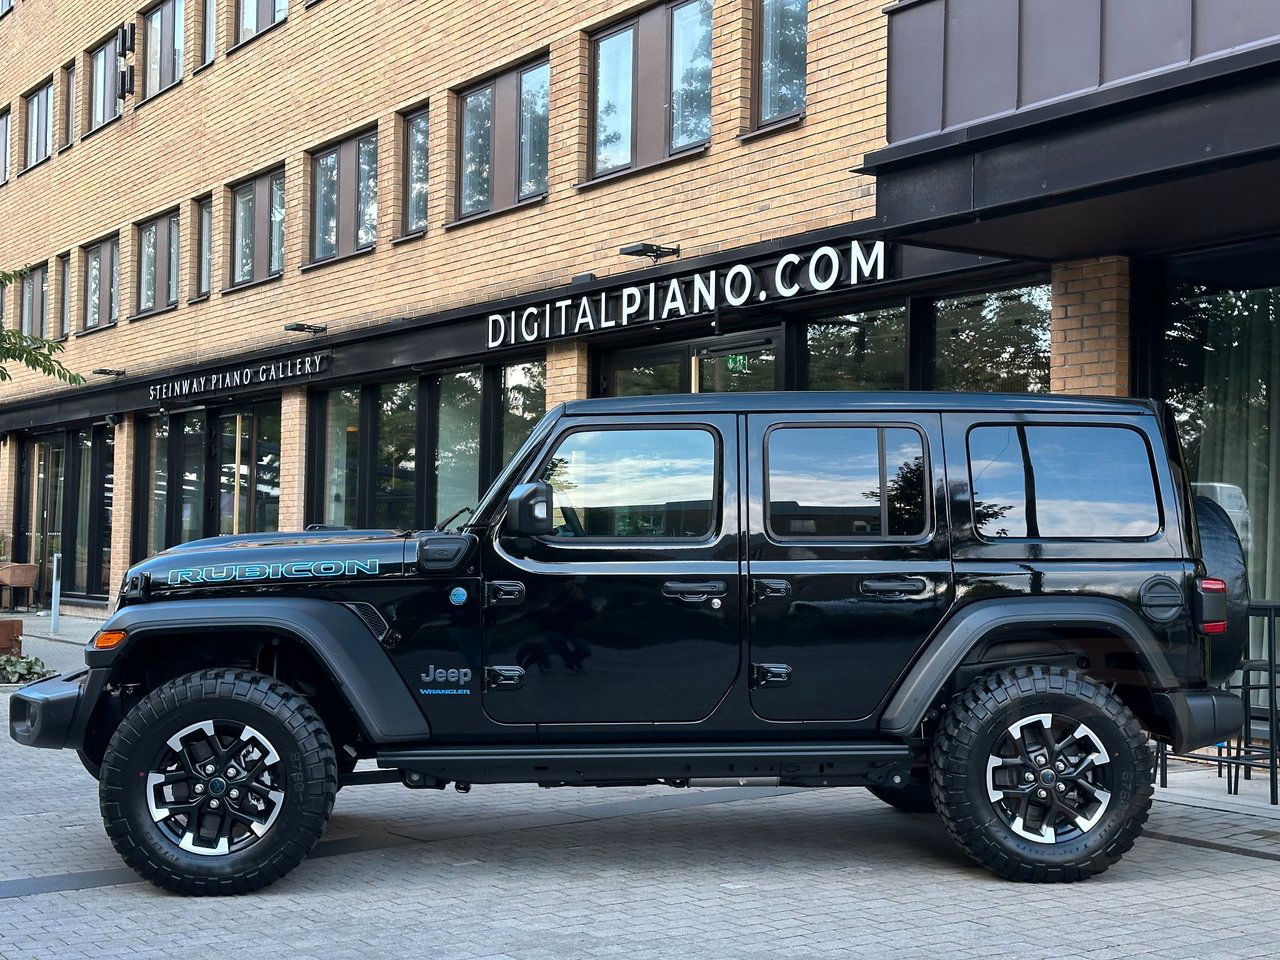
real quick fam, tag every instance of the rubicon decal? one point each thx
(293, 570)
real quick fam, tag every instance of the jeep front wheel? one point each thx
(218, 782)
(1040, 774)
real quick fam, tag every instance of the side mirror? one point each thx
(529, 510)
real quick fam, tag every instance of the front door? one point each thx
(848, 560)
(629, 611)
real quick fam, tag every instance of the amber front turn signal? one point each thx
(107, 639)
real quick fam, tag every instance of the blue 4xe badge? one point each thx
(457, 596)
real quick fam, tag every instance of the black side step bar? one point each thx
(792, 764)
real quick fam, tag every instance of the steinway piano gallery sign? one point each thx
(227, 379)
(826, 269)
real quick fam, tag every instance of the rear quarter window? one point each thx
(1045, 481)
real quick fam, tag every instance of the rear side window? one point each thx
(845, 483)
(634, 484)
(1062, 482)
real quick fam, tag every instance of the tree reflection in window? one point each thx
(690, 74)
(477, 127)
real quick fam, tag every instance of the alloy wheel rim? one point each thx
(1049, 778)
(216, 788)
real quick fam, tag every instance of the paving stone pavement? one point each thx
(519, 872)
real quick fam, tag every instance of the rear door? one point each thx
(848, 560)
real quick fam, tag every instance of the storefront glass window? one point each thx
(645, 376)
(157, 483)
(1220, 373)
(249, 470)
(859, 351)
(994, 342)
(524, 401)
(82, 445)
(750, 368)
(396, 460)
(341, 452)
(104, 487)
(191, 518)
(458, 445)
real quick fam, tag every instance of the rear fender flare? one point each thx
(335, 635)
(967, 628)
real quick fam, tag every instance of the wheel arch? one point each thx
(1004, 632)
(320, 646)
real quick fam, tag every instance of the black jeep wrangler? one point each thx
(980, 605)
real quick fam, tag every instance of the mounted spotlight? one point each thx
(108, 372)
(311, 328)
(653, 251)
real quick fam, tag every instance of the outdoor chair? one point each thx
(19, 576)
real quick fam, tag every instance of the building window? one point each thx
(35, 298)
(6, 6)
(651, 92)
(103, 105)
(783, 63)
(415, 172)
(858, 351)
(994, 342)
(4, 146)
(344, 198)
(503, 154)
(209, 31)
(68, 103)
(64, 303)
(257, 228)
(204, 262)
(257, 15)
(162, 46)
(158, 263)
(101, 283)
(40, 125)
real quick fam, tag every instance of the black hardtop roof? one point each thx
(803, 401)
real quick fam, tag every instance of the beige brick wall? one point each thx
(566, 372)
(122, 503)
(1089, 330)
(293, 457)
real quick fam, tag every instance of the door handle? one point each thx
(694, 591)
(501, 593)
(770, 589)
(506, 678)
(895, 586)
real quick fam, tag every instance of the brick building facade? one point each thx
(278, 387)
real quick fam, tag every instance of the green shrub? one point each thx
(15, 668)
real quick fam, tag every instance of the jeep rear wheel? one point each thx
(218, 782)
(1040, 774)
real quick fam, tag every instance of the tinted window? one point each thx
(634, 483)
(845, 482)
(1062, 482)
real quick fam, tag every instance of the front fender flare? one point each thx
(960, 634)
(340, 641)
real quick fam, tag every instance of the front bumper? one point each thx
(1200, 718)
(53, 712)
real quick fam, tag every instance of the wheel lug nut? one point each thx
(209, 768)
(1028, 776)
(1062, 788)
(1039, 793)
(213, 804)
(199, 788)
(1041, 760)
(233, 793)
(231, 772)
(1060, 766)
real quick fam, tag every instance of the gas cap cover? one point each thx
(1161, 599)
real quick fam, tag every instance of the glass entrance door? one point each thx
(49, 477)
(721, 365)
(249, 469)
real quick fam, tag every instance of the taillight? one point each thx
(1211, 609)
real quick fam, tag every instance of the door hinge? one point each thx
(770, 674)
(501, 593)
(503, 678)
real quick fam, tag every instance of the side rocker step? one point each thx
(791, 764)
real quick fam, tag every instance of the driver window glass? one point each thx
(633, 484)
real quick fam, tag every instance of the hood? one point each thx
(249, 560)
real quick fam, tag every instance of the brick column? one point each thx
(566, 372)
(9, 446)
(1089, 330)
(293, 457)
(122, 506)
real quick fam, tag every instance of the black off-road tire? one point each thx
(913, 796)
(305, 770)
(973, 728)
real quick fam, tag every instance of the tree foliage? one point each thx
(35, 353)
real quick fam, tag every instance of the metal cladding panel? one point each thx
(981, 60)
(1061, 48)
(1220, 27)
(1139, 36)
(916, 39)
(943, 188)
